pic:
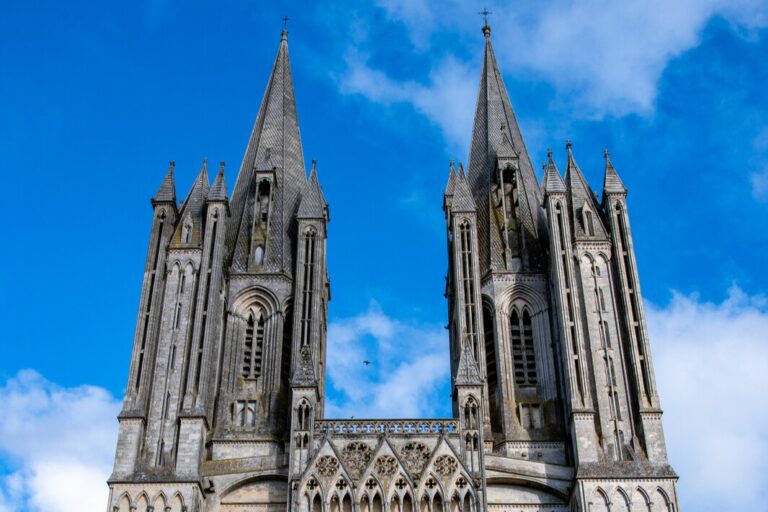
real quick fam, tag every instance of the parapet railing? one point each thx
(402, 427)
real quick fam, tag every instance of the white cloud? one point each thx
(711, 364)
(603, 57)
(58, 443)
(409, 371)
(446, 99)
(759, 182)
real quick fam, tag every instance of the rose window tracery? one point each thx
(446, 465)
(386, 465)
(327, 465)
(415, 455)
(355, 457)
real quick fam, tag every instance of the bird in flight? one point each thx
(367, 362)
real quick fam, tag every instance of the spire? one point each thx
(552, 180)
(274, 148)
(219, 189)
(496, 136)
(462, 198)
(467, 373)
(167, 191)
(191, 211)
(312, 205)
(612, 184)
(582, 200)
(449, 187)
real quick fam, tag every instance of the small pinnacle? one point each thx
(450, 165)
(314, 165)
(549, 153)
(606, 155)
(567, 143)
(172, 164)
(221, 165)
(461, 169)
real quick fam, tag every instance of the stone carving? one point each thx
(446, 465)
(327, 465)
(415, 455)
(355, 457)
(386, 465)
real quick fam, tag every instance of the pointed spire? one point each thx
(304, 374)
(552, 180)
(612, 184)
(167, 191)
(274, 146)
(497, 140)
(462, 196)
(219, 189)
(312, 205)
(467, 372)
(582, 200)
(450, 186)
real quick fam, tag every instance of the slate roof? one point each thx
(193, 208)
(552, 180)
(462, 196)
(467, 373)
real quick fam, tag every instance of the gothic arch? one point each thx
(177, 503)
(599, 501)
(621, 501)
(255, 297)
(252, 478)
(142, 502)
(641, 502)
(160, 501)
(124, 503)
(521, 293)
(662, 503)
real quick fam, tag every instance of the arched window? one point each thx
(253, 347)
(523, 355)
(490, 349)
(470, 415)
(258, 255)
(601, 295)
(303, 414)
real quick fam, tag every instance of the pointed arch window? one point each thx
(589, 222)
(309, 247)
(468, 282)
(523, 354)
(253, 346)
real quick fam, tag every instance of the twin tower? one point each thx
(555, 404)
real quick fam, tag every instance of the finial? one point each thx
(205, 162)
(606, 155)
(450, 164)
(171, 165)
(221, 166)
(568, 144)
(284, 33)
(314, 165)
(461, 169)
(486, 27)
(549, 153)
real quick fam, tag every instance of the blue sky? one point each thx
(96, 97)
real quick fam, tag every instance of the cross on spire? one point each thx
(286, 19)
(486, 27)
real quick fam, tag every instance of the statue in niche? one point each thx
(506, 203)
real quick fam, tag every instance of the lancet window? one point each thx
(523, 355)
(253, 346)
(468, 285)
(309, 248)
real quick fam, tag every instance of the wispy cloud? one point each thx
(603, 58)
(409, 371)
(57, 443)
(711, 362)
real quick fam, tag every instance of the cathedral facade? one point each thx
(555, 406)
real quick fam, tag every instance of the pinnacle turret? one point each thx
(552, 180)
(219, 189)
(462, 196)
(167, 191)
(467, 372)
(583, 201)
(612, 184)
(312, 205)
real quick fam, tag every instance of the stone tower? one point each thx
(554, 399)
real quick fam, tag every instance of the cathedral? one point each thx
(555, 405)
